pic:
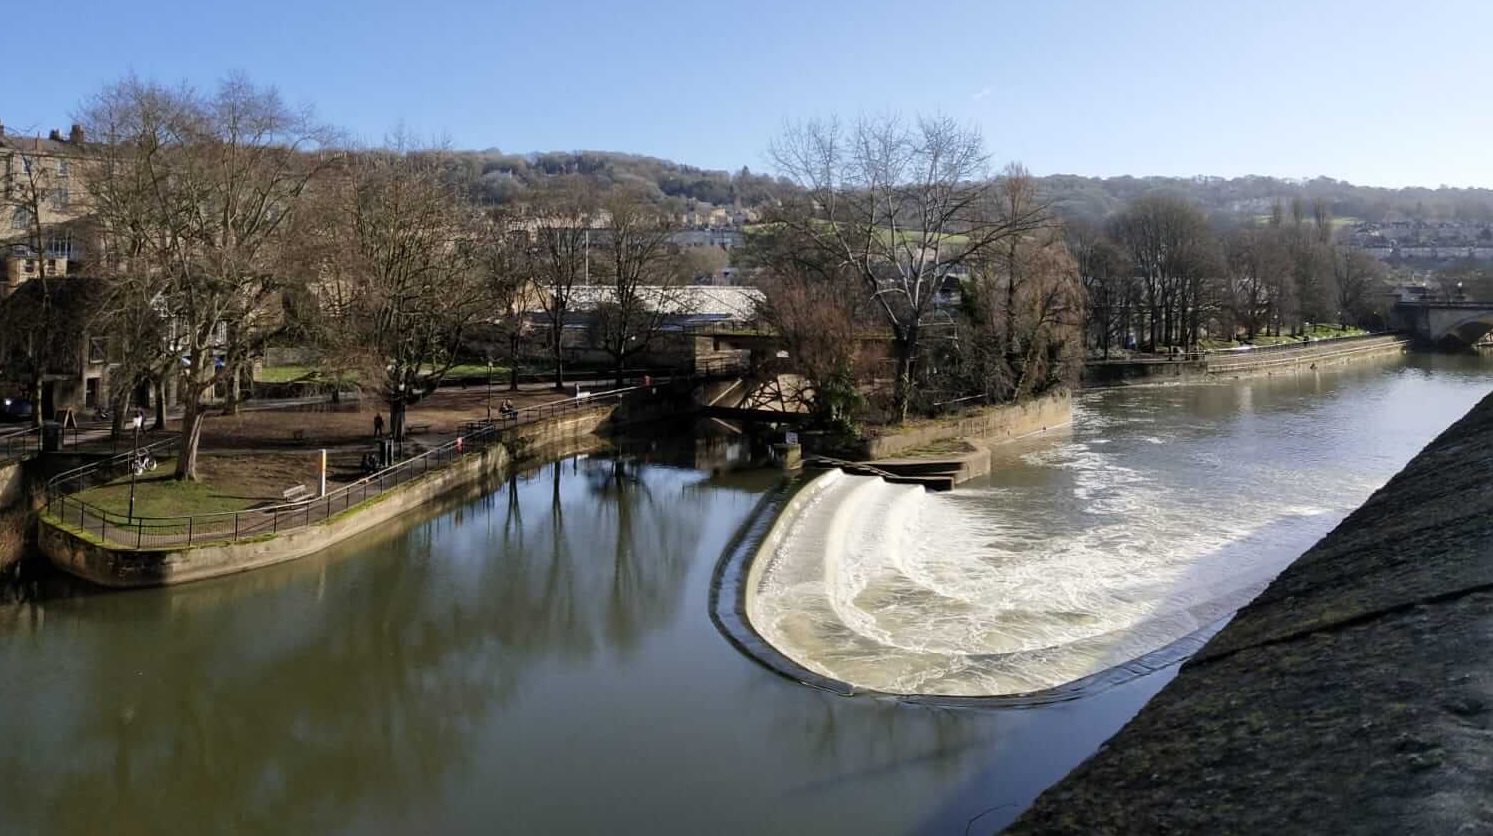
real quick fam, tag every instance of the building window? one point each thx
(20, 219)
(98, 350)
(60, 248)
(26, 164)
(62, 168)
(60, 198)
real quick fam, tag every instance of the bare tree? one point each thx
(643, 279)
(904, 206)
(1106, 277)
(195, 194)
(412, 282)
(1174, 252)
(559, 259)
(816, 308)
(38, 210)
(1358, 276)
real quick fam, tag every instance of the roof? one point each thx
(36, 145)
(713, 302)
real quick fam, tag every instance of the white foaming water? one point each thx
(895, 589)
(1167, 510)
(1081, 555)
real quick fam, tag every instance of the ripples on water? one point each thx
(1166, 510)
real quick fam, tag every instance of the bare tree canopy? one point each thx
(194, 194)
(907, 207)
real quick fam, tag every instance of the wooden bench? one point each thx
(296, 493)
(412, 429)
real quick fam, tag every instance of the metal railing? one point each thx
(17, 443)
(235, 526)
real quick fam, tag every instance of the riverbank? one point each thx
(250, 543)
(1355, 694)
(1267, 361)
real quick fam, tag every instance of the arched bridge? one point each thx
(1455, 323)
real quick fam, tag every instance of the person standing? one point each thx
(378, 425)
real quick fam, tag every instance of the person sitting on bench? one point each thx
(507, 410)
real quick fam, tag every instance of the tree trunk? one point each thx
(907, 348)
(33, 394)
(559, 367)
(191, 439)
(396, 418)
(230, 400)
(160, 396)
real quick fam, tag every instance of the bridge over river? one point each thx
(1444, 323)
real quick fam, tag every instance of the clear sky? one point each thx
(1371, 91)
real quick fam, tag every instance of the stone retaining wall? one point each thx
(997, 423)
(473, 475)
(1354, 695)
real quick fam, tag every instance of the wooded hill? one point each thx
(500, 178)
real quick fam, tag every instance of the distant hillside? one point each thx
(1094, 198)
(508, 178)
(500, 178)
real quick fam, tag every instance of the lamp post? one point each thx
(136, 421)
(489, 390)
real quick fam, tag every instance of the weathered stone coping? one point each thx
(1354, 695)
(85, 556)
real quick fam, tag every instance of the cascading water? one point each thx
(1077, 555)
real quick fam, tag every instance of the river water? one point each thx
(543, 660)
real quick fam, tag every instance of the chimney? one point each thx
(75, 136)
(55, 135)
(2, 129)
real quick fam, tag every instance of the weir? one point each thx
(1084, 558)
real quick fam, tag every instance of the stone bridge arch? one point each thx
(1467, 330)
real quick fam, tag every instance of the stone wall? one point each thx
(1354, 695)
(470, 476)
(995, 423)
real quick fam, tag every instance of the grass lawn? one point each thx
(282, 374)
(478, 370)
(158, 495)
(1316, 332)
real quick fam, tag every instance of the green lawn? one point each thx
(283, 374)
(476, 370)
(158, 495)
(1316, 332)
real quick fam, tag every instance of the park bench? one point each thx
(413, 429)
(296, 493)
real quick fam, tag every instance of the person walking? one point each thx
(378, 425)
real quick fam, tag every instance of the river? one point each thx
(543, 660)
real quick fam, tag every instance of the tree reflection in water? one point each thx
(289, 702)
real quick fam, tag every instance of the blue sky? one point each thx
(1375, 92)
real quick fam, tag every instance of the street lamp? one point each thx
(489, 390)
(135, 422)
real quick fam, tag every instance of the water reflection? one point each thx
(541, 660)
(304, 701)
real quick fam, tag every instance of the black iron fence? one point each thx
(236, 526)
(17, 443)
